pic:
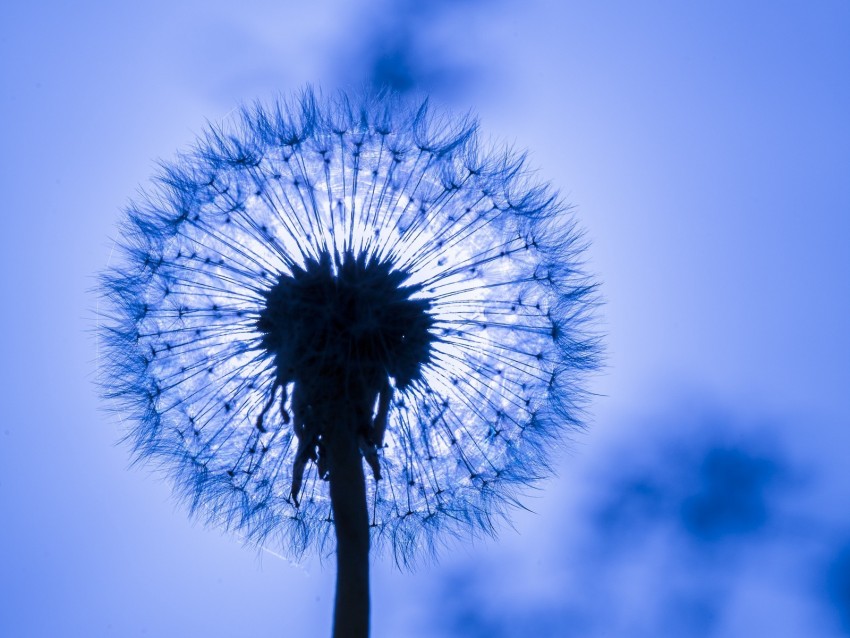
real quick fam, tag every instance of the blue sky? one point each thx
(706, 149)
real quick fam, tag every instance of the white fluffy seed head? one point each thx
(488, 256)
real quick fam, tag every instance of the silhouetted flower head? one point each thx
(322, 257)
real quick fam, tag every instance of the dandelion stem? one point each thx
(351, 523)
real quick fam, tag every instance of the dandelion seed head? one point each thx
(325, 255)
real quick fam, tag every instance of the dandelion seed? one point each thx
(329, 282)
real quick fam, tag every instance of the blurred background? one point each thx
(706, 150)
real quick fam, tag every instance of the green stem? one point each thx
(351, 523)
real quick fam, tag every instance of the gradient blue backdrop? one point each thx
(706, 147)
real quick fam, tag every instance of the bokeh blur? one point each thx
(706, 149)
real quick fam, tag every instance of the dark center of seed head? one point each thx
(346, 324)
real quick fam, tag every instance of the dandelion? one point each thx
(329, 282)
